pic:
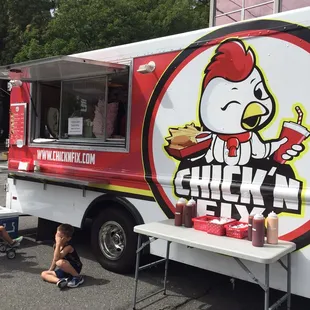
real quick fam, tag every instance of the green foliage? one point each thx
(27, 30)
(22, 24)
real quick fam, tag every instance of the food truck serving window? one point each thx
(76, 101)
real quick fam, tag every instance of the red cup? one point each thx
(295, 134)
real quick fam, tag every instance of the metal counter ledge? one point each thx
(45, 178)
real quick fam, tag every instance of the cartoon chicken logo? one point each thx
(235, 103)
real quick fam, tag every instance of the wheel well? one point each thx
(107, 201)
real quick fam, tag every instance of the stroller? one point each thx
(8, 249)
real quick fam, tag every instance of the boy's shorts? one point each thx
(60, 274)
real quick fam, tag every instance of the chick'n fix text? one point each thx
(223, 190)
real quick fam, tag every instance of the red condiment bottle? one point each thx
(179, 208)
(184, 201)
(188, 215)
(192, 202)
(250, 224)
(258, 230)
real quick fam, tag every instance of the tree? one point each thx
(21, 21)
(31, 27)
(3, 28)
(82, 25)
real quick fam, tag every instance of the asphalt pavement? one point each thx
(188, 288)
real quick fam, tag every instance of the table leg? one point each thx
(266, 287)
(137, 271)
(289, 281)
(166, 265)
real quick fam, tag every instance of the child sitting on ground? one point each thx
(66, 265)
(6, 237)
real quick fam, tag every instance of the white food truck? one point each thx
(117, 135)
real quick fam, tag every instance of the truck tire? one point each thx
(114, 241)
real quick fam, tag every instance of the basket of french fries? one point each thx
(183, 142)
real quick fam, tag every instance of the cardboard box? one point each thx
(4, 156)
(190, 151)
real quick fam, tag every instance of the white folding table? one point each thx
(235, 248)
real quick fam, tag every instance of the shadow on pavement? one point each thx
(91, 281)
(19, 263)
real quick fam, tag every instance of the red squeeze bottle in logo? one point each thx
(179, 208)
(258, 230)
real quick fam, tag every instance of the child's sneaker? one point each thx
(76, 281)
(62, 283)
(16, 242)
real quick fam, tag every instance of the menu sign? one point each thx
(18, 124)
(75, 126)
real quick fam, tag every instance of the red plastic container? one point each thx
(239, 233)
(204, 223)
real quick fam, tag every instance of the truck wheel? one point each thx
(113, 240)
